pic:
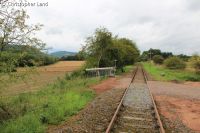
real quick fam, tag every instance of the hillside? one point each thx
(60, 54)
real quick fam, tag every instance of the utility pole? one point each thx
(150, 56)
(115, 66)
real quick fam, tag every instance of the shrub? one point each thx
(158, 59)
(174, 63)
(192, 78)
(8, 61)
(75, 74)
(195, 62)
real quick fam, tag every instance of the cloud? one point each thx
(194, 5)
(54, 31)
(171, 25)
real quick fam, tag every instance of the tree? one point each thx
(174, 63)
(127, 51)
(153, 52)
(97, 44)
(184, 57)
(158, 59)
(76, 57)
(166, 55)
(15, 31)
(146, 55)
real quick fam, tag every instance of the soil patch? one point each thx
(194, 84)
(179, 104)
(175, 89)
(111, 83)
(187, 111)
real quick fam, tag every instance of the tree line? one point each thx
(171, 61)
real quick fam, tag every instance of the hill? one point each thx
(60, 54)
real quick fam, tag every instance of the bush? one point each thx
(158, 59)
(174, 63)
(8, 61)
(192, 78)
(75, 74)
(195, 62)
(21, 56)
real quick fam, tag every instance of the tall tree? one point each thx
(14, 29)
(97, 44)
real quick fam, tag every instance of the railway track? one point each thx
(137, 111)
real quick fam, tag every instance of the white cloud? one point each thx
(171, 25)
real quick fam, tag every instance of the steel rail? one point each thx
(119, 106)
(161, 129)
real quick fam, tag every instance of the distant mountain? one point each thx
(60, 54)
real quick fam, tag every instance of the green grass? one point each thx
(128, 68)
(33, 112)
(164, 74)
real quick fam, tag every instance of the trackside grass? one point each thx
(128, 68)
(164, 74)
(33, 112)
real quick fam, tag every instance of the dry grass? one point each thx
(61, 66)
(42, 76)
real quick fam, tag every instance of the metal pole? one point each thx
(115, 63)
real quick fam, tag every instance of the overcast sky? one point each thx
(170, 25)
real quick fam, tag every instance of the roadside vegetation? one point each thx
(194, 61)
(128, 68)
(174, 63)
(161, 72)
(165, 66)
(33, 112)
(172, 70)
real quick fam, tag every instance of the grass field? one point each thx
(164, 74)
(39, 77)
(33, 112)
